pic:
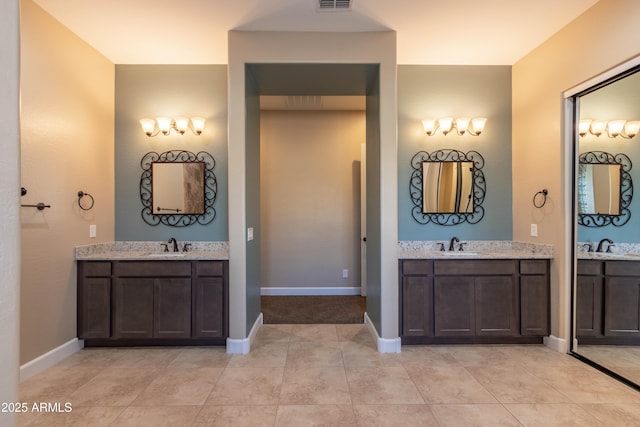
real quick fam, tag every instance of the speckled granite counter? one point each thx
(620, 251)
(474, 249)
(152, 251)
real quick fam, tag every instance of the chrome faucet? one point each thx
(588, 247)
(600, 247)
(452, 243)
(175, 244)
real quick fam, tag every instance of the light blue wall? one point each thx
(168, 90)
(455, 91)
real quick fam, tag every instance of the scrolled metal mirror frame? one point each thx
(146, 188)
(626, 189)
(416, 191)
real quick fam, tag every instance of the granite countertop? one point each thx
(476, 249)
(148, 251)
(620, 251)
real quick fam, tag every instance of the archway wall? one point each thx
(309, 48)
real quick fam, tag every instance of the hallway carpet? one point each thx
(313, 309)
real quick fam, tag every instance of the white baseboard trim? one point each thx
(243, 346)
(385, 345)
(50, 358)
(555, 343)
(309, 291)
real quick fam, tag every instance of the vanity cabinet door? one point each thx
(534, 305)
(622, 307)
(134, 307)
(172, 308)
(588, 305)
(454, 306)
(209, 307)
(495, 306)
(417, 306)
(94, 307)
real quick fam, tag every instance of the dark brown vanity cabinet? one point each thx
(152, 302)
(608, 302)
(466, 301)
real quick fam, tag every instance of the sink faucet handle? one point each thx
(441, 246)
(166, 247)
(186, 247)
(461, 246)
(588, 247)
(609, 247)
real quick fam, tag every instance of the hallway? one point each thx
(299, 375)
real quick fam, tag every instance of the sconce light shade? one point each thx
(615, 127)
(631, 128)
(462, 125)
(430, 126)
(597, 127)
(166, 124)
(583, 126)
(148, 126)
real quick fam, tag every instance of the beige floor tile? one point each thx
(615, 414)
(514, 385)
(262, 355)
(306, 353)
(478, 355)
(583, 384)
(157, 357)
(247, 386)
(160, 416)
(382, 386)
(56, 383)
(356, 355)
(315, 415)
(113, 387)
(537, 355)
(552, 415)
(477, 415)
(274, 333)
(419, 356)
(94, 357)
(78, 417)
(237, 416)
(197, 357)
(449, 385)
(314, 333)
(179, 387)
(632, 374)
(314, 386)
(355, 333)
(394, 415)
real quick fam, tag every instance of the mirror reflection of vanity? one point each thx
(607, 283)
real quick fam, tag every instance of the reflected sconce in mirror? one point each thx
(461, 125)
(613, 128)
(152, 127)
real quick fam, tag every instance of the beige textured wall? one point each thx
(67, 121)
(310, 198)
(604, 36)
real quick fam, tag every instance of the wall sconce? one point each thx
(153, 127)
(462, 125)
(613, 128)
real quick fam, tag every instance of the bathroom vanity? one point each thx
(480, 297)
(137, 298)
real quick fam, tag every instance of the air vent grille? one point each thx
(304, 102)
(334, 5)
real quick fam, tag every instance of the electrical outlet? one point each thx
(249, 234)
(92, 231)
(345, 274)
(534, 230)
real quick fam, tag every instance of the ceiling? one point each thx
(452, 32)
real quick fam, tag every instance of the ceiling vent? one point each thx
(333, 5)
(304, 102)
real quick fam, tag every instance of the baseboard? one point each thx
(385, 345)
(50, 358)
(308, 291)
(243, 346)
(555, 343)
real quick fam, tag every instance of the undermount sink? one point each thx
(459, 253)
(166, 255)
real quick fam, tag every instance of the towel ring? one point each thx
(81, 194)
(536, 198)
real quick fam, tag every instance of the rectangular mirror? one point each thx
(178, 188)
(599, 189)
(448, 187)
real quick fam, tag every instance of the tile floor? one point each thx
(299, 375)
(622, 360)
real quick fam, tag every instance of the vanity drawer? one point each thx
(533, 266)
(622, 268)
(209, 268)
(474, 267)
(95, 268)
(589, 268)
(152, 268)
(417, 267)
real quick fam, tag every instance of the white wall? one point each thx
(67, 126)
(310, 198)
(9, 205)
(605, 35)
